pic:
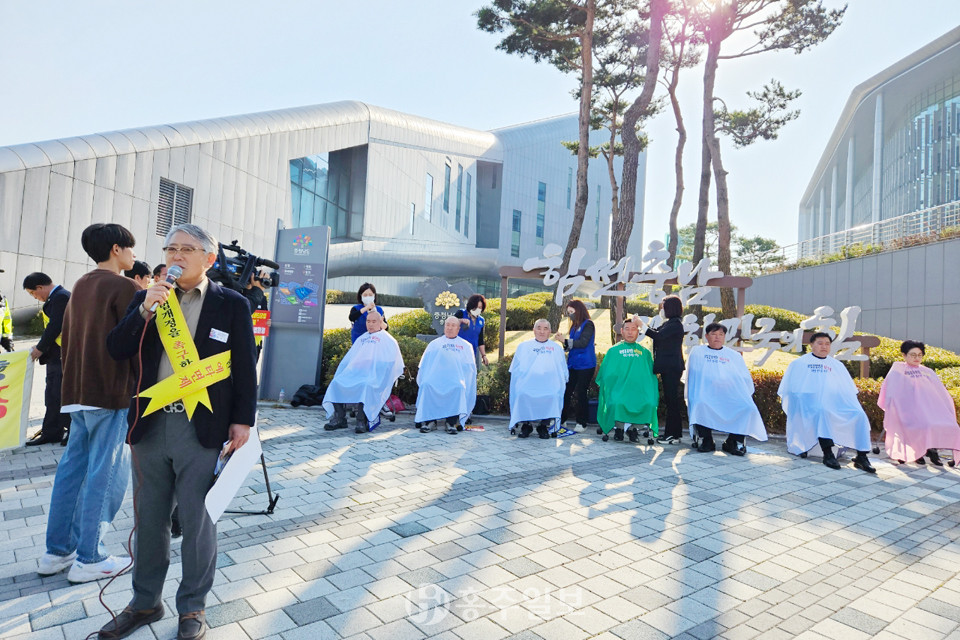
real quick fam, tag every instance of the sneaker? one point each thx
(50, 563)
(668, 440)
(451, 429)
(618, 435)
(580, 428)
(108, 568)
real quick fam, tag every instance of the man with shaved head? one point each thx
(447, 380)
(538, 376)
(364, 377)
(629, 392)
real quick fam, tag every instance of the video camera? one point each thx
(235, 271)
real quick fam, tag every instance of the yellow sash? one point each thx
(191, 375)
(46, 321)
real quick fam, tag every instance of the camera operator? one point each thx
(256, 296)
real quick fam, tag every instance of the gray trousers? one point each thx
(171, 468)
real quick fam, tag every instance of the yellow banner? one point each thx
(16, 380)
(191, 375)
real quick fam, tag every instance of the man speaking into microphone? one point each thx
(198, 391)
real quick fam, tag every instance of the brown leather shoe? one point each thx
(129, 621)
(193, 626)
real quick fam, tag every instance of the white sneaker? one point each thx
(50, 563)
(580, 428)
(107, 568)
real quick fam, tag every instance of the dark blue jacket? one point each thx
(234, 400)
(53, 308)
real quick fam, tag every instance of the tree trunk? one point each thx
(678, 169)
(623, 222)
(583, 152)
(703, 204)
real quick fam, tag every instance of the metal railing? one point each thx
(918, 227)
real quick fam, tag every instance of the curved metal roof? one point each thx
(384, 125)
(865, 89)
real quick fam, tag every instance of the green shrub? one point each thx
(491, 331)
(494, 381)
(883, 357)
(766, 383)
(335, 296)
(950, 377)
(640, 307)
(336, 343)
(410, 323)
(412, 350)
(522, 312)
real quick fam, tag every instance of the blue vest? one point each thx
(472, 332)
(584, 357)
(360, 324)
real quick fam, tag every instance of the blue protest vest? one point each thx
(472, 332)
(584, 357)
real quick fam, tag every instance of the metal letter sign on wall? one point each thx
(292, 352)
(692, 280)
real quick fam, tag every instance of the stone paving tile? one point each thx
(401, 536)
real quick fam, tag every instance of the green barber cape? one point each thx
(628, 387)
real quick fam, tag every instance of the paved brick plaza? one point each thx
(397, 535)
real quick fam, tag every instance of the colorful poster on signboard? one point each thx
(16, 381)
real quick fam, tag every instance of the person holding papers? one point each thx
(447, 380)
(365, 376)
(198, 396)
(820, 400)
(919, 416)
(538, 377)
(629, 393)
(720, 395)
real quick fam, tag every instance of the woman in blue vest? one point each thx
(471, 326)
(581, 361)
(366, 302)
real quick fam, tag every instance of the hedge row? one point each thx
(335, 296)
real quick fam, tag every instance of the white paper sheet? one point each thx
(233, 476)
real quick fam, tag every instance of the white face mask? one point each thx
(475, 312)
(368, 299)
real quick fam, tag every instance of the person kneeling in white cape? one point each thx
(820, 400)
(365, 376)
(538, 376)
(720, 395)
(447, 380)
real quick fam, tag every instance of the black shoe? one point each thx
(732, 448)
(830, 460)
(333, 426)
(41, 440)
(920, 460)
(525, 430)
(360, 429)
(451, 429)
(128, 621)
(176, 529)
(934, 457)
(706, 446)
(599, 431)
(618, 434)
(633, 434)
(861, 462)
(543, 432)
(193, 626)
(605, 437)
(66, 437)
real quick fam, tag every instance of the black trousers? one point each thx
(576, 390)
(55, 424)
(706, 434)
(671, 397)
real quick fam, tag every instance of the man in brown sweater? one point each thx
(93, 473)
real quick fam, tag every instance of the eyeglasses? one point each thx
(186, 251)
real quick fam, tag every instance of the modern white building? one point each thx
(892, 165)
(406, 197)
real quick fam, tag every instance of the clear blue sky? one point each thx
(70, 68)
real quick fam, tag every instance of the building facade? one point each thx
(894, 155)
(406, 197)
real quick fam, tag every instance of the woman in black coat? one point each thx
(668, 362)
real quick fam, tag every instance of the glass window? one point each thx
(541, 210)
(428, 198)
(459, 195)
(466, 209)
(446, 188)
(515, 239)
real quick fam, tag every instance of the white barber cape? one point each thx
(538, 376)
(820, 400)
(447, 380)
(366, 374)
(720, 392)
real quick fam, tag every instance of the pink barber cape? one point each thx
(919, 414)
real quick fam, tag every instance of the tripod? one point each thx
(271, 499)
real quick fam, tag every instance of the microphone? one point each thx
(269, 263)
(173, 273)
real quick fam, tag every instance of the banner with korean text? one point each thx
(16, 382)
